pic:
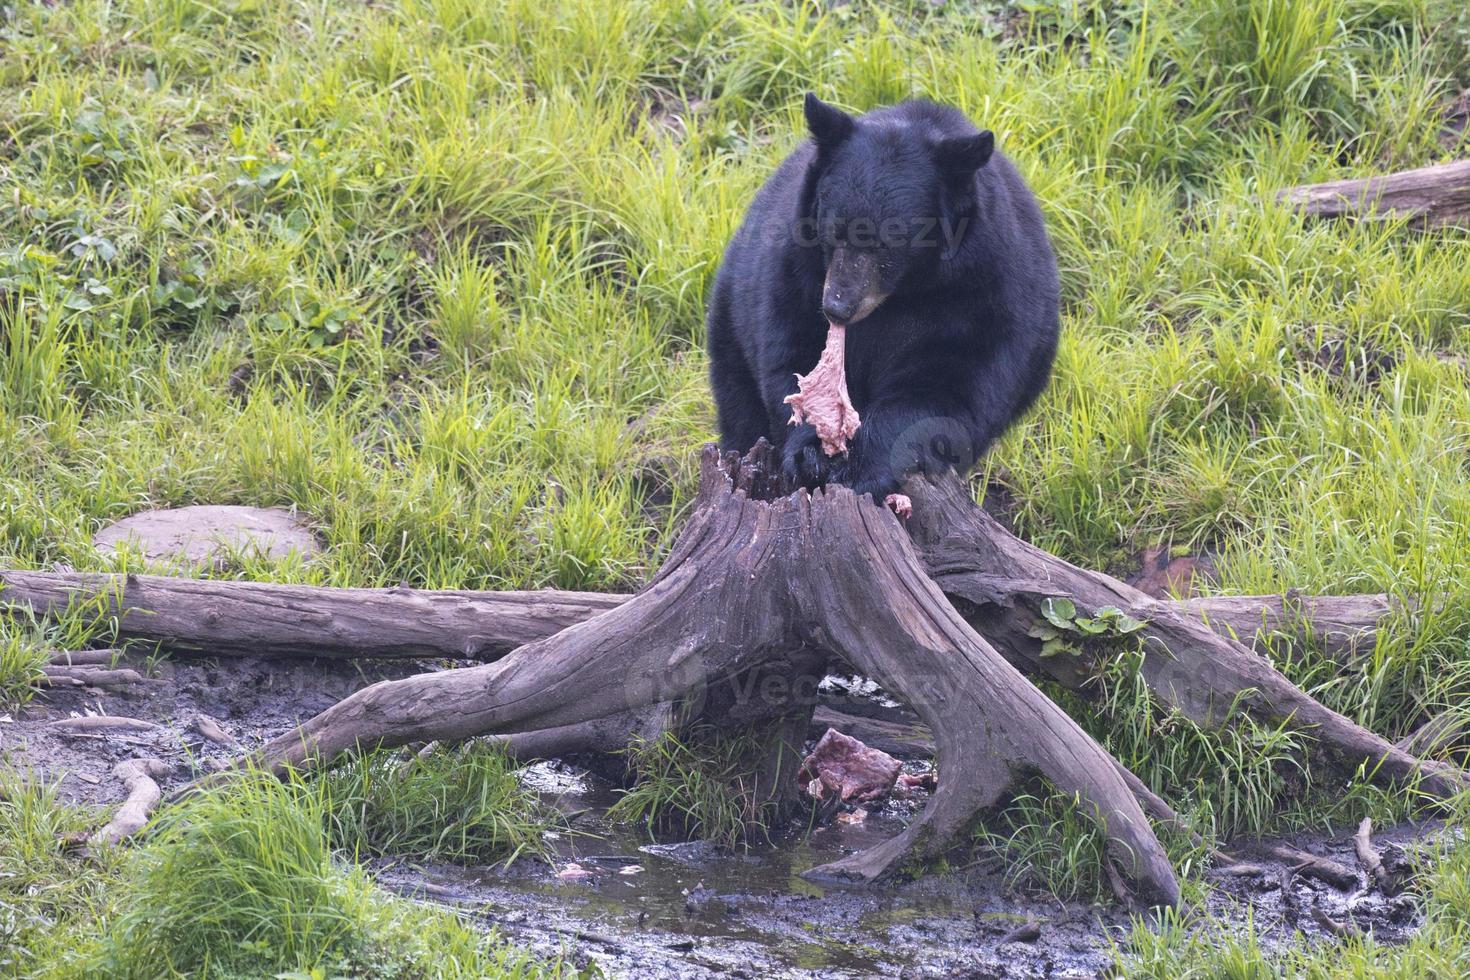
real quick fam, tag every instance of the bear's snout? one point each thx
(852, 288)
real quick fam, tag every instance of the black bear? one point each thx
(907, 225)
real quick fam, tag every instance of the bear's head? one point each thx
(889, 199)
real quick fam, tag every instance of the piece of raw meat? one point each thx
(842, 765)
(821, 398)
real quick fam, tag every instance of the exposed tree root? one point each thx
(1002, 582)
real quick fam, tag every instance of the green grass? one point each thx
(432, 273)
(695, 786)
(1440, 948)
(239, 882)
(462, 804)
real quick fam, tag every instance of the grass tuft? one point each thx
(698, 786)
(462, 804)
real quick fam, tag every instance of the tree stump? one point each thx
(764, 579)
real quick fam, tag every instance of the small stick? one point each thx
(1324, 869)
(91, 677)
(138, 777)
(1371, 860)
(80, 658)
(94, 723)
(1344, 929)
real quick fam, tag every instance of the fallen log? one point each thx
(764, 586)
(229, 618)
(1430, 197)
(1340, 627)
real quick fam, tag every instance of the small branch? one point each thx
(1027, 932)
(1371, 860)
(1343, 930)
(1337, 875)
(138, 776)
(1431, 197)
(81, 658)
(91, 677)
(210, 729)
(102, 723)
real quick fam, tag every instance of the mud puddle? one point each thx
(647, 909)
(653, 910)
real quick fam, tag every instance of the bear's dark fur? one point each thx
(906, 225)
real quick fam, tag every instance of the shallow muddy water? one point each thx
(689, 910)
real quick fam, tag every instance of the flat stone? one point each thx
(209, 534)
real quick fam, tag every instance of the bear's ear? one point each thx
(829, 125)
(961, 156)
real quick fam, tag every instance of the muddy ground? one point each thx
(688, 910)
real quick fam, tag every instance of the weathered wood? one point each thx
(1342, 628)
(1371, 860)
(138, 778)
(90, 677)
(754, 575)
(895, 738)
(1434, 196)
(225, 618)
(1002, 581)
(229, 618)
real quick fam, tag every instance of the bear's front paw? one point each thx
(878, 482)
(805, 463)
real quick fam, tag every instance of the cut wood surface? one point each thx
(1431, 196)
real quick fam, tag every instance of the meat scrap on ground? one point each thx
(841, 765)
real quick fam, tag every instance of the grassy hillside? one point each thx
(432, 272)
